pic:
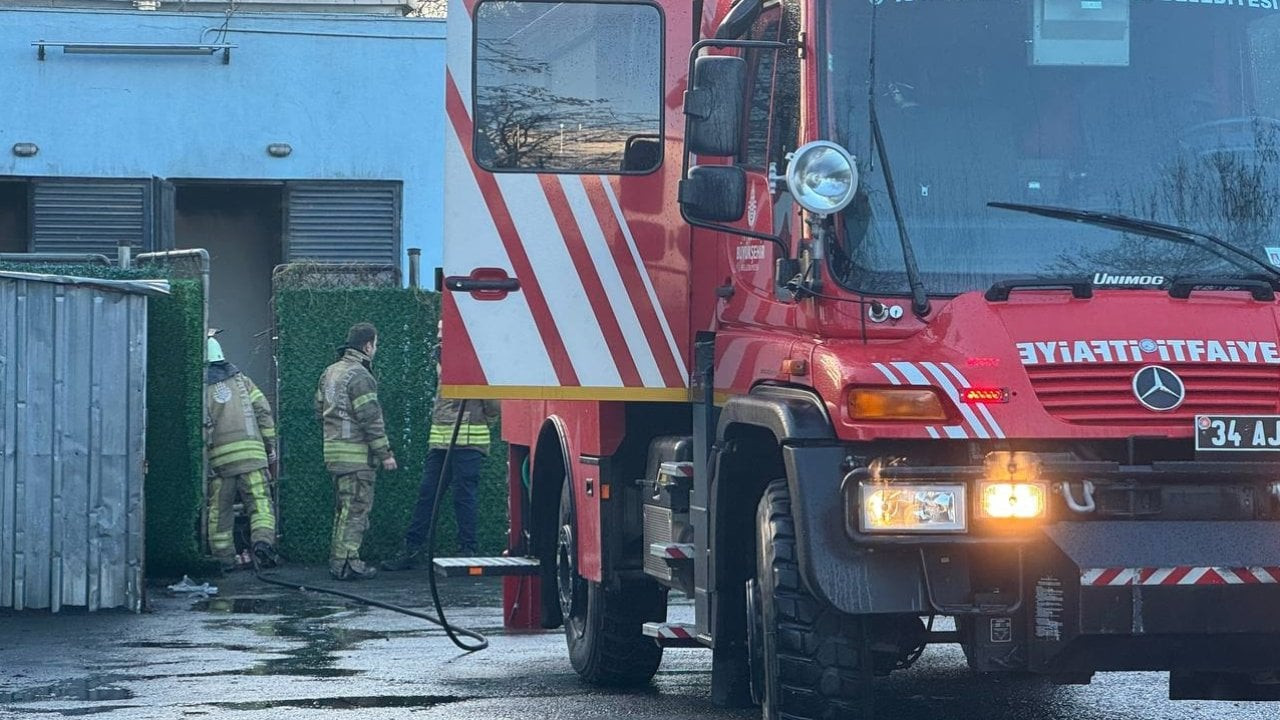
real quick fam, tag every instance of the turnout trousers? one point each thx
(353, 498)
(256, 497)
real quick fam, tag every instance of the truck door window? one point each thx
(568, 87)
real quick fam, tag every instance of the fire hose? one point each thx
(454, 632)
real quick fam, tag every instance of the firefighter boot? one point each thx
(265, 556)
(353, 569)
(407, 559)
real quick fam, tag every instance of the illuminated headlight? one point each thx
(911, 508)
(1013, 500)
(822, 177)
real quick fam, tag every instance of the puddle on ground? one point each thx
(290, 606)
(346, 703)
(94, 688)
(77, 711)
(179, 645)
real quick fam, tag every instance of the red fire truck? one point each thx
(841, 317)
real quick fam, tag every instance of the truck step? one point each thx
(486, 566)
(672, 551)
(672, 634)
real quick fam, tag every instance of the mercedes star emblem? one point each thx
(1158, 388)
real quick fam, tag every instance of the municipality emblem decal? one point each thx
(221, 393)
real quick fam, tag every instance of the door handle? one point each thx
(484, 283)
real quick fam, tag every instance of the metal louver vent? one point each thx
(343, 222)
(89, 216)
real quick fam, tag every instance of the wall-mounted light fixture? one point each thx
(279, 150)
(99, 48)
(25, 149)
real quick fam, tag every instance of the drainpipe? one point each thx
(415, 265)
(123, 254)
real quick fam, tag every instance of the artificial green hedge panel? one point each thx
(175, 436)
(312, 324)
(174, 487)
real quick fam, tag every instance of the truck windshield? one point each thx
(1161, 110)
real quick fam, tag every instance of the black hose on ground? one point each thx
(453, 631)
(446, 476)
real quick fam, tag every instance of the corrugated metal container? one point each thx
(73, 377)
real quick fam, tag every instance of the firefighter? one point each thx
(355, 443)
(240, 435)
(467, 460)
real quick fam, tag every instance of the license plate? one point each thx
(1245, 433)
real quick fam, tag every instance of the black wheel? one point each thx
(809, 654)
(604, 629)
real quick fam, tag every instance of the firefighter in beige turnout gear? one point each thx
(355, 442)
(240, 436)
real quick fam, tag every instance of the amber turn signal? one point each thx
(895, 404)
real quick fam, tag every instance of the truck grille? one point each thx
(1103, 394)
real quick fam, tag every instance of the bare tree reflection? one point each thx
(522, 124)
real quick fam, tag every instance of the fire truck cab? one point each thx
(842, 317)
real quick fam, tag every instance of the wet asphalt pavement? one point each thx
(257, 651)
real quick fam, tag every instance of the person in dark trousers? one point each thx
(467, 461)
(355, 444)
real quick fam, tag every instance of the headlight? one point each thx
(911, 508)
(1013, 500)
(822, 177)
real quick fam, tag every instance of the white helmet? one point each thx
(213, 350)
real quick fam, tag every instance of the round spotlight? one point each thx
(823, 177)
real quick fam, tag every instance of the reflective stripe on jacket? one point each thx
(239, 430)
(474, 432)
(355, 436)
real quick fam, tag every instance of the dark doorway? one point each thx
(15, 235)
(240, 226)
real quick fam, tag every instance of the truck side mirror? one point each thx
(715, 193)
(741, 17)
(714, 104)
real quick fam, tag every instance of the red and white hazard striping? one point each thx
(1183, 575)
(672, 551)
(587, 313)
(979, 422)
(676, 469)
(668, 631)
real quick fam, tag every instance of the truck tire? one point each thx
(811, 653)
(604, 628)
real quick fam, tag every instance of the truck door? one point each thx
(566, 269)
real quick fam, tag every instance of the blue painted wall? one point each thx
(358, 97)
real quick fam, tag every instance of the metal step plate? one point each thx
(486, 566)
(672, 634)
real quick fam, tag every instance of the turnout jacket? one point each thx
(474, 432)
(355, 436)
(239, 430)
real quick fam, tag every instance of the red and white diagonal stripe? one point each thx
(979, 423)
(1181, 575)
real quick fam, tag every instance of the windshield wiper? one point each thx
(919, 298)
(1148, 228)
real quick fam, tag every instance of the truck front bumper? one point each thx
(1076, 597)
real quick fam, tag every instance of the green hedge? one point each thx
(312, 324)
(175, 436)
(175, 445)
